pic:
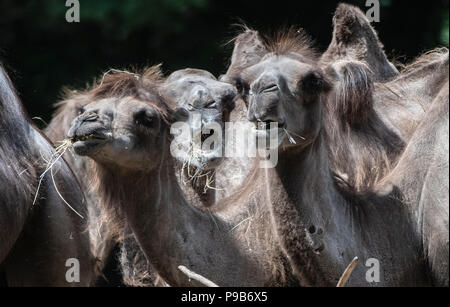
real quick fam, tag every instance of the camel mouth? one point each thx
(89, 141)
(205, 159)
(269, 138)
(92, 136)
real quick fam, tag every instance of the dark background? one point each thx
(43, 53)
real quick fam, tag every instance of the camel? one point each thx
(128, 141)
(184, 87)
(322, 224)
(361, 73)
(103, 232)
(42, 214)
(209, 103)
(103, 237)
(212, 101)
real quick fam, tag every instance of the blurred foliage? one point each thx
(445, 28)
(43, 52)
(123, 17)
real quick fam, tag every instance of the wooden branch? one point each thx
(348, 271)
(192, 275)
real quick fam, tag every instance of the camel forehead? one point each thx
(190, 72)
(277, 66)
(122, 106)
(191, 81)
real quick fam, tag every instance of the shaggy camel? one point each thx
(323, 225)
(39, 230)
(395, 103)
(209, 103)
(375, 146)
(129, 141)
(192, 88)
(103, 230)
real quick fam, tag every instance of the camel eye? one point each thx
(239, 86)
(270, 88)
(210, 105)
(80, 110)
(312, 83)
(145, 119)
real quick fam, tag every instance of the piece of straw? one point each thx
(346, 275)
(197, 277)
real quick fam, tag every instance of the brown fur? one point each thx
(354, 138)
(105, 228)
(41, 226)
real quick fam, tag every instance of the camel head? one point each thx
(127, 123)
(281, 84)
(208, 101)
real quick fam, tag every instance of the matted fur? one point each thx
(361, 147)
(424, 60)
(34, 208)
(106, 225)
(293, 42)
(18, 175)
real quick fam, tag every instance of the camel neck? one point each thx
(197, 186)
(329, 227)
(172, 232)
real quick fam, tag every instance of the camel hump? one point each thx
(355, 39)
(353, 92)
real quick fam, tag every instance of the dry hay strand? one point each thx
(196, 154)
(346, 275)
(55, 157)
(197, 277)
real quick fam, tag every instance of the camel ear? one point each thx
(249, 49)
(355, 39)
(180, 115)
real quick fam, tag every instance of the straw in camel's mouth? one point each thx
(92, 136)
(89, 141)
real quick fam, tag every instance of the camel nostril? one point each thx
(229, 95)
(89, 117)
(200, 93)
(228, 99)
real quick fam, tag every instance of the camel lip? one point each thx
(88, 133)
(267, 132)
(88, 137)
(87, 146)
(273, 138)
(88, 141)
